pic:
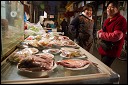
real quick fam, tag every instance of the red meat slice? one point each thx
(70, 63)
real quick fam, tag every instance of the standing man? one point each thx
(64, 26)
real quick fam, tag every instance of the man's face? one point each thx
(111, 10)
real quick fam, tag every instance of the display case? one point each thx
(12, 26)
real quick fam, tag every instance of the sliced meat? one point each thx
(36, 63)
(72, 63)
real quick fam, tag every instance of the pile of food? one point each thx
(19, 55)
(49, 40)
(16, 57)
(29, 50)
(37, 54)
(52, 50)
(70, 52)
(36, 63)
(34, 28)
(44, 42)
(37, 37)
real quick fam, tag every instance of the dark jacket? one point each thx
(115, 28)
(82, 24)
(64, 25)
(84, 31)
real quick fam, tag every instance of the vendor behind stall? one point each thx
(26, 15)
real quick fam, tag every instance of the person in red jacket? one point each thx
(113, 31)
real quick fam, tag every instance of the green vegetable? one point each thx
(34, 29)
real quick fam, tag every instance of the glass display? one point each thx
(12, 25)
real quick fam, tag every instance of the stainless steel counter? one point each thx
(99, 74)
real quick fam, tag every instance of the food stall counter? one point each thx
(94, 73)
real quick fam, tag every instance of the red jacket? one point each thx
(115, 32)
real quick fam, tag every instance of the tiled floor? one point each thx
(118, 66)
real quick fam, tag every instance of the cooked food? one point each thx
(46, 35)
(63, 38)
(38, 37)
(34, 28)
(73, 63)
(45, 55)
(45, 42)
(70, 52)
(56, 42)
(69, 43)
(52, 51)
(30, 51)
(56, 38)
(36, 63)
(30, 38)
(34, 43)
(17, 56)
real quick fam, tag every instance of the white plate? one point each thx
(69, 49)
(86, 66)
(83, 56)
(35, 73)
(30, 50)
(55, 65)
(48, 51)
(70, 45)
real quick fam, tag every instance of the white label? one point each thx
(13, 14)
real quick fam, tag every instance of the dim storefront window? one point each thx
(12, 25)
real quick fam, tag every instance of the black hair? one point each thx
(87, 6)
(115, 4)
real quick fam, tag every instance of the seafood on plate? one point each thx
(69, 43)
(28, 51)
(30, 38)
(73, 63)
(36, 63)
(49, 55)
(45, 42)
(52, 50)
(33, 43)
(70, 52)
(56, 42)
(17, 56)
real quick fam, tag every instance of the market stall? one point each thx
(52, 58)
(93, 72)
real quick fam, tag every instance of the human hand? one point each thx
(99, 35)
(99, 32)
